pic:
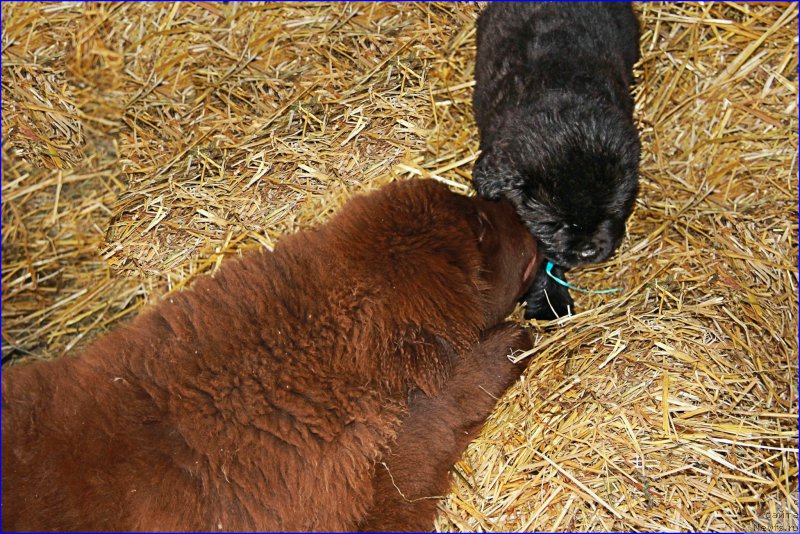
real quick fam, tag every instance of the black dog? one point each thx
(554, 110)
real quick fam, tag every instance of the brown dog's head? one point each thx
(459, 261)
(432, 270)
(509, 257)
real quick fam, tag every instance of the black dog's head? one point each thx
(573, 177)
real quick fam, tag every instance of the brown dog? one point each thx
(267, 397)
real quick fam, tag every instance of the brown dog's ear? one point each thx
(484, 225)
(479, 220)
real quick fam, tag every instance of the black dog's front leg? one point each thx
(547, 299)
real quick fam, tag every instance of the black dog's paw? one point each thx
(547, 299)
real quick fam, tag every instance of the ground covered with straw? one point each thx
(143, 143)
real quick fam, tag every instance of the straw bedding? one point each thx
(143, 143)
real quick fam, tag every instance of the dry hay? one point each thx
(142, 143)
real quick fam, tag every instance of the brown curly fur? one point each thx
(267, 396)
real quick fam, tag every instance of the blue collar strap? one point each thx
(549, 270)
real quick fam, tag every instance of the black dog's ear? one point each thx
(492, 176)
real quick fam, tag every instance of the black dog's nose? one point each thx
(587, 253)
(594, 250)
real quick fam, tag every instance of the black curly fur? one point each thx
(554, 110)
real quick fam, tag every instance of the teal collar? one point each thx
(549, 270)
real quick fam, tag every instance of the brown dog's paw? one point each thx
(490, 366)
(504, 340)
